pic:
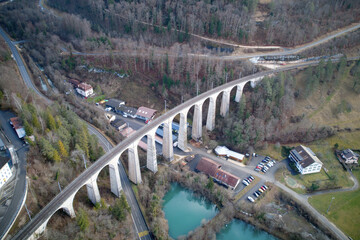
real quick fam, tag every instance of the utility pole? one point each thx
(59, 186)
(330, 205)
(84, 161)
(27, 210)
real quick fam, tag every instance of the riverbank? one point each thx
(272, 212)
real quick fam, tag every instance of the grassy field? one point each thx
(344, 210)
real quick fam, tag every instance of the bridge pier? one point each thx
(168, 151)
(68, 206)
(254, 81)
(93, 190)
(151, 161)
(40, 230)
(210, 120)
(239, 91)
(115, 182)
(225, 102)
(134, 165)
(182, 139)
(196, 132)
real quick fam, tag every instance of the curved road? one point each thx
(138, 219)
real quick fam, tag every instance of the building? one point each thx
(18, 127)
(207, 166)
(74, 82)
(145, 113)
(84, 89)
(225, 152)
(114, 104)
(226, 179)
(119, 124)
(5, 164)
(305, 160)
(127, 111)
(349, 156)
(213, 169)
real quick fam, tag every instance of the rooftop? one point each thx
(84, 86)
(145, 112)
(127, 110)
(305, 156)
(348, 153)
(114, 103)
(226, 177)
(208, 166)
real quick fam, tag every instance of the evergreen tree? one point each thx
(50, 121)
(35, 121)
(62, 149)
(82, 220)
(56, 156)
(28, 129)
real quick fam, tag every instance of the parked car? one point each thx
(255, 194)
(257, 169)
(245, 183)
(261, 190)
(250, 199)
(262, 187)
(251, 177)
(258, 192)
(265, 186)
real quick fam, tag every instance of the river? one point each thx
(185, 211)
(240, 230)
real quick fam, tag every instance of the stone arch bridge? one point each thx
(64, 200)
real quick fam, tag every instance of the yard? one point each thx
(332, 174)
(344, 210)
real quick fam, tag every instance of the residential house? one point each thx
(127, 111)
(225, 152)
(145, 113)
(213, 169)
(84, 89)
(18, 127)
(119, 124)
(5, 165)
(114, 104)
(305, 160)
(349, 156)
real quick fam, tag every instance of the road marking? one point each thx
(144, 233)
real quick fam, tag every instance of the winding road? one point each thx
(138, 219)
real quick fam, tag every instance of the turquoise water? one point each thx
(185, 211)
(240, 230)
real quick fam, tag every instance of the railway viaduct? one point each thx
(64, 200)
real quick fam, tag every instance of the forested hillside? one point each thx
(248, 21)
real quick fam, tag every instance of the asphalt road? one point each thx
(138, 218)
(20, 179)
(21, 65)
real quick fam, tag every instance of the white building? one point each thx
(305, 160)
(85, 89)
(5, 165)
(225, 152)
